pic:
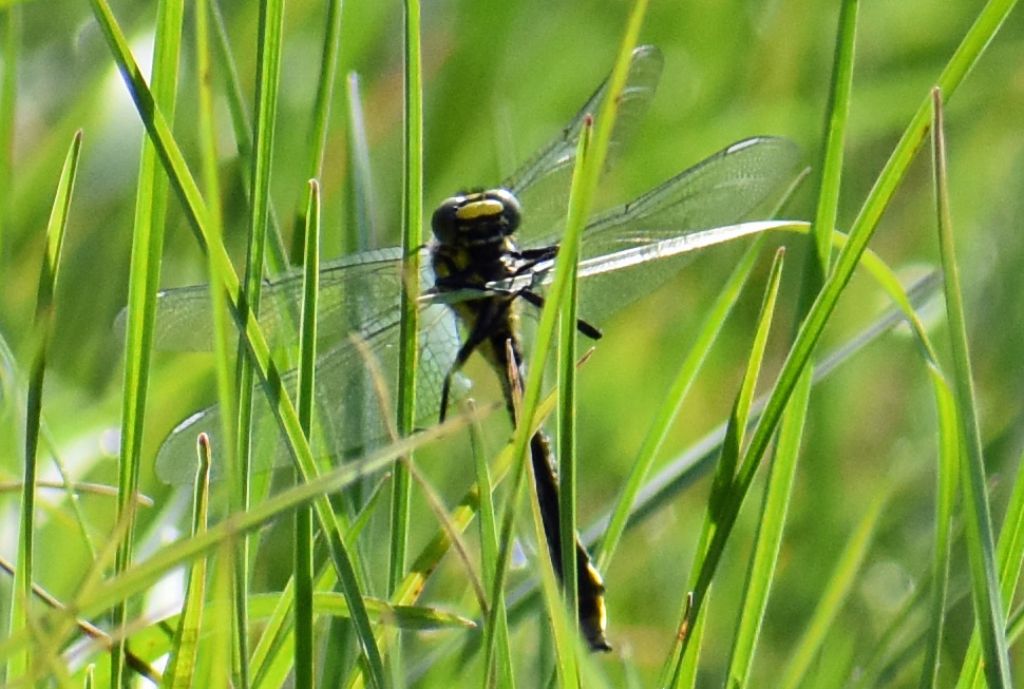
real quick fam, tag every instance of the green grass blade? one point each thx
(566, 420)
(268, 70)
(832, 598)
(412, 240)
(989, 610)
(220, 318)
(43, 327)
(504, 677)
(321, 111)
(220, 648)
(270, 660)
(685, 671)
(769, 536)
(144, 278)
(840, 87)
(212, 186)
(945, 504)
(277, 258)
(565, 629)
(185, 651)
(1010, 553)
(988, 22)
(303, 575)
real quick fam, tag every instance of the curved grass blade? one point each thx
(685, 672)
(21, 592)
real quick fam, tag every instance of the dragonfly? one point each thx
(492, 254)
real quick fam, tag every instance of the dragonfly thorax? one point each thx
(477, 218)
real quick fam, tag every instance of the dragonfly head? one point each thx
(479, 217)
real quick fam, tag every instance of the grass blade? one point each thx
(43, 327)
(1010, 552)
(143, 281)
(185, 650)
(224, 371)
(321, 112)
(689, 645)
(268, 70)
(768, 538)
(303, 576)
(412, 240)
(945, 504)
(988, 604)
(360, 203)
(277, 257)
(504, 677)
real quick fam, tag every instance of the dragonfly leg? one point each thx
(535, 256)
(482, 331)
(593, 332)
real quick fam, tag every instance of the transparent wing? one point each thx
(629, 250)
(354, 386)
(748, 176)
(358, 312)
(354, 291)
(542, 184)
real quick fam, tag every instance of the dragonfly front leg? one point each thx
(531, 297)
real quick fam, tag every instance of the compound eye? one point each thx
(510, 210)
(445, 220)
(476, 217)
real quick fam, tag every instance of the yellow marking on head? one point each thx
(483, 208)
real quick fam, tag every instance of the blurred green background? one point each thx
(501, 78)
